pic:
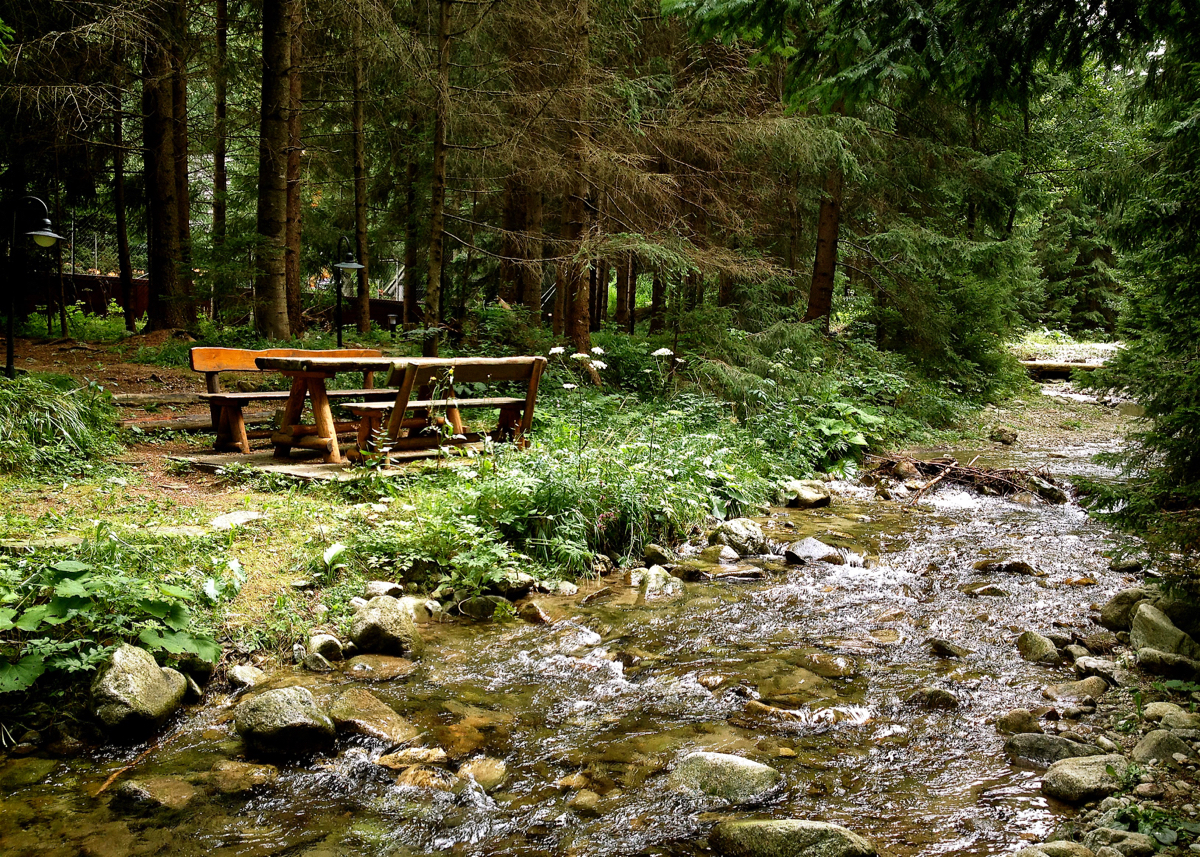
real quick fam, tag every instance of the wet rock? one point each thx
(1006, 566)
(1126, 842)
(657, 555)
(733, 779)
(383, 627)
(152, 796)
(193, 693)
(360, 712)
(982, 589)
(427, 779)
(376, 588)
(1075, 651)
(795, 688)
(1093, 687)
(284, 721)
(1117, 613)
(422, 610)
(1019, 721)
(1044, 750)
(1101, 642)
(1085, 778)
(1004, 435)
(1124, 565)
(1168, 664)
(1162, 747)
(1108, 670)
(564, 588)
(787, 838)
(195, 667)
(533, 613)
(133, 694)
(229, 777)
(25, 772)
(490, 773)
(1034, 647)
(411, 756)
(584, 802)
(829, 666)
(1181, 720)
(244, 675)
(806, 494)
(812, 550)
(325, 645)
(315, 663)
(655, 582)
(1156, 711)
(1151, 629)
(1059, 848)
(933, 697)
(479, 609)
(742, 535)
(460, 739)
(513, 585)
(378, 667)
(946, 649)
(719, 555)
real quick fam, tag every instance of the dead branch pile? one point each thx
(1003, 482)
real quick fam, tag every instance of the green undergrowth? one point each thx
(52, 425)
(62, 613)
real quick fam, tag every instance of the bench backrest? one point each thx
(212, 361)
(467, 370)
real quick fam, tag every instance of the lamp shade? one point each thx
(349, 266)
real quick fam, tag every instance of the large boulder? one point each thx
(787, 837)
(1151, 629)
(1045, 750)
(133, 694)
(1124, 842)
(743, 535)
(284, 721)
(732, 779)
(1017, 722)
(1168, 664)
(1161, 746)
(1106, 669)
(1034, 647)
(1084, 778)
(360, 712)
(812, 550)
(1075, 690)
(1117, 613)
(805, 494)
(383, 627)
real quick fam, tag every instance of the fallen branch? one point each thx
(1001, 481)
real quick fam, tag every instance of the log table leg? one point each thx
(291, 417)
(323, 417)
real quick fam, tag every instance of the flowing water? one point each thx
(590, 713)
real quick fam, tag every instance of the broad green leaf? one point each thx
(178, 642)
(176, 591)
(333, 554)
(69, 587)
(22, 674)
(70, 566)
(32, 618)
(6, 618)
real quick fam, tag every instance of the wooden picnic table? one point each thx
(309, 375)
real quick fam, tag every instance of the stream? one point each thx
(590, 713)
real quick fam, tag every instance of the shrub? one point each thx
(50, 427)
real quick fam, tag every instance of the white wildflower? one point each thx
(579, 355)
(662, 352)
(597, 350)
(599, 364)
(569, 386)
(558, 349)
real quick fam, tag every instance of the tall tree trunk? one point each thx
(220, 284)
(575, 205)
(622, 315)
(725, 292)
(437, 201)
(820, 295)
(632, 300)
(179, 129)
(410, 238)
(531, 271)
(513, 243)
(658, 301)
(295, 217)
(360, 174)
(124, 266)
(270, 282)
(167, 299)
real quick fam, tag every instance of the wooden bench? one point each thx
(434, 383)
(226, 407)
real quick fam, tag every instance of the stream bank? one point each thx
(570, 737)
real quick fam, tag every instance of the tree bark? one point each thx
(622, 314)
(167, 299)
(531, 271)
(295, 218)
(270, 282)
(360, 174)
(179, 129)
(632, 301)
(658, 299)
(410, 240)
(124, 266)
(820, 295)
(437, 201)
(513, 243)
(220, 287)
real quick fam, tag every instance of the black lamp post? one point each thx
(33, 216)
(348, 263)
